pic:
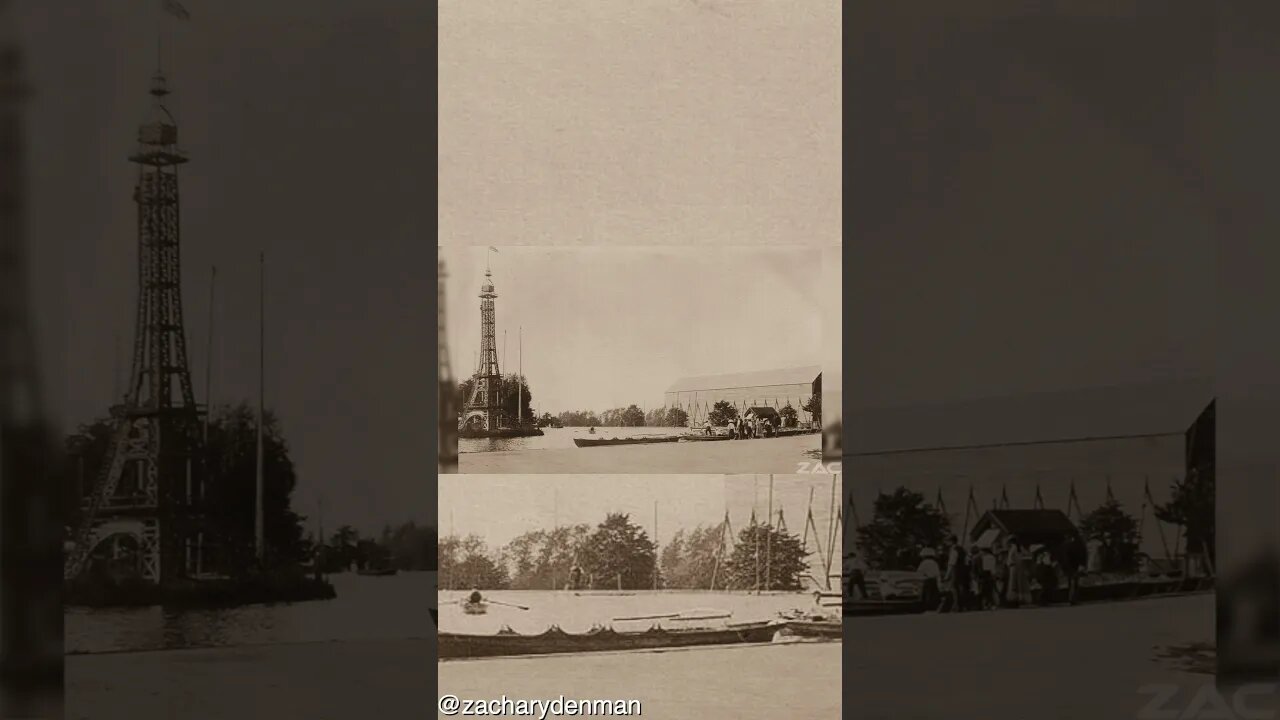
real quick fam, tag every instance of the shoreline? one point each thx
(784, 455)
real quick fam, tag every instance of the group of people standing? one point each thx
(1009, 573)
(741, 428)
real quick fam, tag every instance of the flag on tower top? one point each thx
(174, 8)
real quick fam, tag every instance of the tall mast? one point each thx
(655, 544)
(258, 530)
(520, 394)
(768, 542)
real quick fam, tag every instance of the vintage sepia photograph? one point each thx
(678, 593)
(1088, 529)
(247, 520)
(637, 359)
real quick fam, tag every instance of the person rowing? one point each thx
(476, 603)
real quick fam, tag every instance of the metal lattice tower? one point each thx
(145, 485)
(484, 409)
(448, 450)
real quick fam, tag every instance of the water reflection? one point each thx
(563, 438)
(367, 608)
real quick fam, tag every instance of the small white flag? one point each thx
(174, 8)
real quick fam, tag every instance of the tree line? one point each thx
(619, 554)
(408, 546)
(630, 416)
(231, 457)
(903, 523)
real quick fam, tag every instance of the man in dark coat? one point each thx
(1073, 556)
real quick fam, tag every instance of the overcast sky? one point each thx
(637, 123)
(304, 129)
(607, 327)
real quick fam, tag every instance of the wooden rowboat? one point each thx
(479, 608)
(594, 442)
(555, 640)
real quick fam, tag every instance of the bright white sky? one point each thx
(607, 327)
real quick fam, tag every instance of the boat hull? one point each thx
(703, 438)
(556, 641)
(597, 442)
(479, 608)
(814, 629)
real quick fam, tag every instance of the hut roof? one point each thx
(1036, 526)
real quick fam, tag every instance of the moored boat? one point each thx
(702, 438)
(555, 640)
(593, 442)
(826, 629)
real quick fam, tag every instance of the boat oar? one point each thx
(647, 617)
(692, 618)
(499, 602)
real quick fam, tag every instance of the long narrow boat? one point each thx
(593, 442)
(555, 640)
(814, 629)
(702, 438)
(862, 608)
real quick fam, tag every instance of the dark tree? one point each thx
(1118, 533)
(1192, 505)
(620, 554)
(722, 413)
(580, 418)
(510, 387)
(542, 559)
(789, 415)
(230, 489)
(633, 416)
(766, 558)
(466, 563)
(676, 417)
(688, 560)
(902, 523)
(814, 406)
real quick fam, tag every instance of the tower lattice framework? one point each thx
(151, 480)
(484, 409)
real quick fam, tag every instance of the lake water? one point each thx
(562, 438)
(575, 612)
(367, 608)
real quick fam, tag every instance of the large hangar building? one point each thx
(766, 388)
